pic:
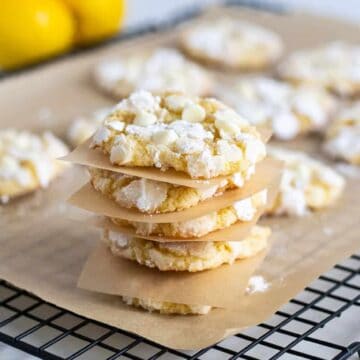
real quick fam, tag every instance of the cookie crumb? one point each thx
(4, 199)
(257, 284)
(328, 231)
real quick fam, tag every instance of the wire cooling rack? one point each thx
(322, 322)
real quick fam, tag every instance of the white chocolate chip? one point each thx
(121, 153)
(227, 127)
(115, 125)
(237, 179)
(144, 118)
(177, 102)
(101, 135)
(165, 137)
(120, 239)
(193, 113)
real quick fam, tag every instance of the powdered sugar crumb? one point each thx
(328, 231)
(350, 171)
(257, 284)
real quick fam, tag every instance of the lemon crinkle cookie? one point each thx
(186, 256)
(335, 66)
(288, 109)
(343, 135)
(151, 196)
(166, 307)
(306, 184)
(199, 136)
(243, 210)
(82, 127)
(232, 43)
(159, 70)
(28, 161)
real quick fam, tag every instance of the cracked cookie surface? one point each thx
(232, 43)
(159, 70)
(186, 256)
(289, 110)
(199, 136)
(151, 196)
(335, 66)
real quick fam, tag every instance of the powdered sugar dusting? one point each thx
(257, 284)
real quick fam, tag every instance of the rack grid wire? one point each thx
(50, 332)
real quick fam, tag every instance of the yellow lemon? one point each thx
(96, 19)
(31, 30)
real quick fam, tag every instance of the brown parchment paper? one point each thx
(267, 174)
(109, 274)
(83, 155)
(43, 252)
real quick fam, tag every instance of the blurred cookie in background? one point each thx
(306, 185)
(289, 110)
(159, 70)
(335, 66)
(343, 135)
(232, 44)
(28, 161)
(83, 127)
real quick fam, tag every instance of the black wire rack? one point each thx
(294, 332)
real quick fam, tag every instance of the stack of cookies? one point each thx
(196, 166)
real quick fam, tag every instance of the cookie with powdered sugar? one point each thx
(201, 137)
(186, 256)
(343, 135)
(166, 307)
(334, 66)
(232, 43)
(287, 109)
(243, 210)
(306, 185)
(159, 70)
(28, 161)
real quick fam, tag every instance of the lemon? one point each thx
(31, 30)
(96, 19)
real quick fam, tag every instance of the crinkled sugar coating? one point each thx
(166, 307)
(242, 210)
(335, 66)
(159, 70)
(151, 196)
(289, 110)
(186, 256)
(199, 136)
(232, 43)
(306, 184)
(343, 136)
(83, 127)
(27, 161)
